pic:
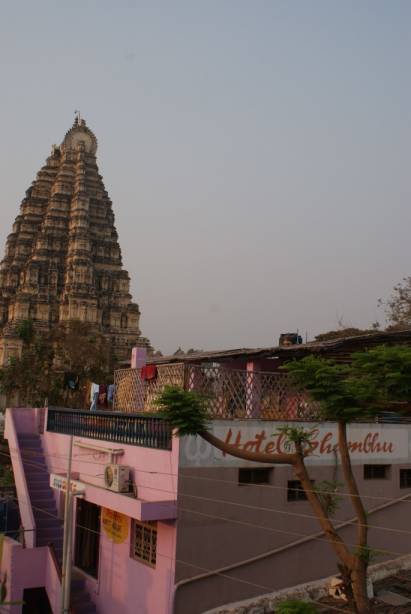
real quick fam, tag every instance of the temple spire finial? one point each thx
(77, 117)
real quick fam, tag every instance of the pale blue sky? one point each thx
(257, 153)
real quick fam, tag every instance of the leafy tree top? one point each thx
(185, 410)
(357, 390)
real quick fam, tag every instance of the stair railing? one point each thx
(23, 497)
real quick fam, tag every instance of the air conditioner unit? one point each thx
(117, 477)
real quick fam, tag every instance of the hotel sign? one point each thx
(59, 482)
(367, 443)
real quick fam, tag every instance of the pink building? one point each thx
(194, 529)
(124, 543)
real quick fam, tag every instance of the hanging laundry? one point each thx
(102, 395)
(148, 373)
(94, 391)
(110, 393)
(94, 388)
(93, 406)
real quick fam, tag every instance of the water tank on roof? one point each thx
(287, 339)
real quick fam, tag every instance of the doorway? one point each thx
(87, 542)
(36, 601)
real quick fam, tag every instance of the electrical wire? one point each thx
(205, 569)
(292, 533)
(241, 522)
(196, 477)
(258, 508)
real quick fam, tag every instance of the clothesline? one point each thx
(101, 395)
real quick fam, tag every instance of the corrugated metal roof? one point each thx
(337, 347)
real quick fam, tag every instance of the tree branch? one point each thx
(327, 526)
(362, 525)
(258, 457)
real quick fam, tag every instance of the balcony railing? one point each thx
(134, 429)
(230, 394)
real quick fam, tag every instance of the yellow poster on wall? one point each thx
(115, 525)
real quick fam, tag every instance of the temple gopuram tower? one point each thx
(63, 259)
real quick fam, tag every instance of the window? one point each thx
(254, 476)
(144, 542)
(376, 472)
(295, 491)
(405, 478)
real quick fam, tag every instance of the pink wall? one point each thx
(124, 583)
(25, 568)
(129, 586)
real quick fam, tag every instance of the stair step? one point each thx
(31, 469)
(48, 522)
(33, 461)
(42, 493)
(30, 443)
(38, 482)
(80, 596)
(44, 540)
(78, 584)
(35, 456)
(43, 501)
(40, 477)
(52, 531)
(57, 545)
(48, 519)
(84, 608)
(47, 506)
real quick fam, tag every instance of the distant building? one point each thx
(63, 260)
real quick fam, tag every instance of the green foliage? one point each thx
(384, 374)
(6, 475)
(185, 410)
(3, 590)
(82, 350)
(325, 381)
(373, 378)
(327, 493)
(39, 372)
(296, 434)
(25, 330)
(31, 374)
(293, 606)
(367, 554)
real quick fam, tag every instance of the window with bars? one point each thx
(254, 476)
(295, 491)
(144, 542)
(376, 472)
(405, 478)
